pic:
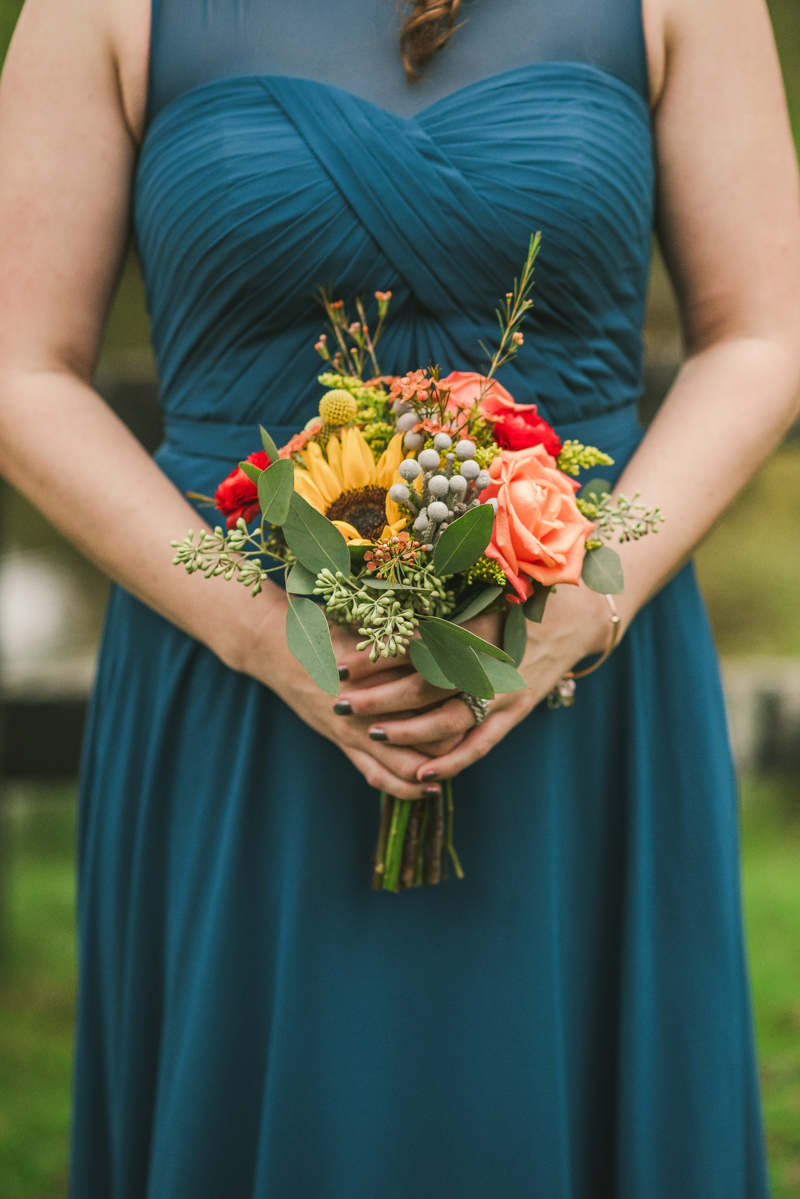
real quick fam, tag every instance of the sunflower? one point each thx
(351, 488)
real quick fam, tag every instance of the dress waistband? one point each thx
(617, 433)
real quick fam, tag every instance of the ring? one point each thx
(478, 707)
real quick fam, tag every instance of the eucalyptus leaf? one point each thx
(275, 487)
(308, 638)
(534, 606)
(269, 445)
(313, 539)
(252, 471)
(602, 571)
(595, 489)
(515, 633)
(476, 604)
(456, 660)
(462, 543)
(425, 663)
(379, 584)
(300, 580)
(456, 633)
(502, 676)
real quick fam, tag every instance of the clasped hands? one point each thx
(405, 735)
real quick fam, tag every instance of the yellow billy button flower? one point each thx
(351, 488)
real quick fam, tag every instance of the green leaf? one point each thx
(502, 676)
(515, 634)
(300, 581)
(602, 571)
(425, 663)
(313, 539)
(252, 471)
(476, 604)
(275, 488)
(534, 606)
(594, 490)
(308, 638)
(269, 445)
(456, 633)
(456, 661)
(462, 543)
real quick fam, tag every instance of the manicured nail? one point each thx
(343, 708)
(344, 673)
(429, 774)
(431, 791)
(378, 735)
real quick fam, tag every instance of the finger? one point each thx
(355, 664)
(382, 779)
(452, 718)
(404, 762)
(475, 746)
(399, 760)
(437, 749)
(411, 691)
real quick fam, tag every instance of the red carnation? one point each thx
(238, 495)
(518, 426)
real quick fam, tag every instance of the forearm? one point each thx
(728, 408)
(63, 448)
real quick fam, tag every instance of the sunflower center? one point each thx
(364, 509)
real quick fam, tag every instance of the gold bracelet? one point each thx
(563, 694)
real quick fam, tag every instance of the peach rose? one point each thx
(465, 387)
(538, 532)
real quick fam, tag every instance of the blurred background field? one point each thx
(51, 607)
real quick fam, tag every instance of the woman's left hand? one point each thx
(576, 624)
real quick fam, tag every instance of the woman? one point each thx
(571, 1019)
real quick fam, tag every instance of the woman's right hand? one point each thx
(263, 653)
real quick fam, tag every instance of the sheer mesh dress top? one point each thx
(571, 1021)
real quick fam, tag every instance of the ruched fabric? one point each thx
(569, 1022)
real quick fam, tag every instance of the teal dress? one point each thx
(572, 1020)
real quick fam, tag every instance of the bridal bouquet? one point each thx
(407, 507)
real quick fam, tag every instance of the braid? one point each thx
(428, 27)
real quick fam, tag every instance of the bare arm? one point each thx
(729, 222)
(71, 107)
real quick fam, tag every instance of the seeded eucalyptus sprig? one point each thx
(226, 554)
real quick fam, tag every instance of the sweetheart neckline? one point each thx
(602, 73)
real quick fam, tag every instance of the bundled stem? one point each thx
(415, 839)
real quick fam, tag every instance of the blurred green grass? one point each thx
(38, 972)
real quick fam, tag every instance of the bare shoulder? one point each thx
(130, 23)
(97, 44)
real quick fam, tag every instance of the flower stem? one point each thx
(387, 803)
(394, 850)
(433, 868)
(450, 819)
(419, 865)
(410, 846)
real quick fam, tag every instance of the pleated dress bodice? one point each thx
(256, 189)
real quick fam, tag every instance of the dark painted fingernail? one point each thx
(431, 791)
(429, 774)
(343, 708)
(344, 673)
(378, 735)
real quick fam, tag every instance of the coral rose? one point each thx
(465, 387)
(519, 426)
(237, 495)
(538, 532)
